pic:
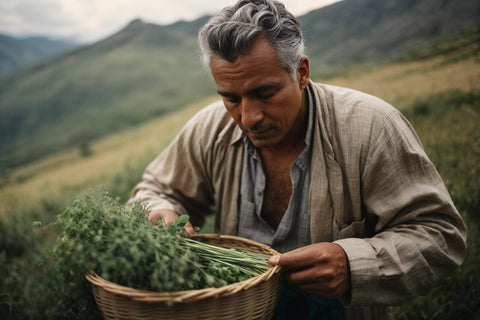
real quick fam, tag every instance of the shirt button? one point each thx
(259, 193)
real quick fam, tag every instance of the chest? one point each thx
(278, 190)
(274, 200)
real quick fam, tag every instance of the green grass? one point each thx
(440, 97)
(449, 126)
(460, 46)
(455, 154)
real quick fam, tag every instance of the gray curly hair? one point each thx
(232, 32)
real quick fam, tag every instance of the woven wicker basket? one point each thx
(254, 298)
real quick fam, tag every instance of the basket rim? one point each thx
(189, 295)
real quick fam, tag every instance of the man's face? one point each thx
(261, 96)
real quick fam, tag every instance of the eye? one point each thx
(267, 93)
(231, 100)
(266, 96)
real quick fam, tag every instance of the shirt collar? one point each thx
(311, 116)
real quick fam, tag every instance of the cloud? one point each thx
(89, 20)
(35, 17)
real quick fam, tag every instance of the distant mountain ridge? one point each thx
(355, 32)
(146, 70)
(17, 53)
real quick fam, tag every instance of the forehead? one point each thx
(260, 63)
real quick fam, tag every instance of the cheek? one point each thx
(234, 113)
(281, 112)
(284, 117)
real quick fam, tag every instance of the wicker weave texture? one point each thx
(254, 298)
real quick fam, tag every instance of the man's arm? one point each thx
(178, 181)
(418, 237)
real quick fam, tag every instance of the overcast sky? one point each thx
(91, 20)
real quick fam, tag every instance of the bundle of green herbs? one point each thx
(116, 241)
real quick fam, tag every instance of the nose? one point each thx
(252, 113)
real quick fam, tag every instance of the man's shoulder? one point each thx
(347, 101)
(351, 118)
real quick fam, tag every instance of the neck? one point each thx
(288, 150)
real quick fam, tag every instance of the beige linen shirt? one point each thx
(373, 191)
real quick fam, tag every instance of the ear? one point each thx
(303, 73)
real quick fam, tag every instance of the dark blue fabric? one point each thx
(295, 304)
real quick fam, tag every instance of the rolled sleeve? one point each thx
(364, 271)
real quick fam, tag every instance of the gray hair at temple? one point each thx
(232, 32)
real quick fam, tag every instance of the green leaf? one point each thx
(181, 221)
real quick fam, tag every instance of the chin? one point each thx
(264, 143)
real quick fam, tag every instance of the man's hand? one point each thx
(169, 217)
(321, 269)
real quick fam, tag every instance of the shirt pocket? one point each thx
(356, 229)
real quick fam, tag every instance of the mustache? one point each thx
(258, 127)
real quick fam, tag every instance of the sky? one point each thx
(92, 20)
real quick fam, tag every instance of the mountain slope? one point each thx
(354, 32)
(146, 70)
(18, 53)
(142, 71)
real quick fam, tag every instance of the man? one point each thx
(334, 179)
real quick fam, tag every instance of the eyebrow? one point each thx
(224, 93)
(258, 89)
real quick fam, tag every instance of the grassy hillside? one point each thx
(444, 66)
(439, 93)
(141, 72)
(67, 173)
(147, 70)
(407, 84)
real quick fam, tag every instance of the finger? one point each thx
(167, 216)
(287, 262)
(189, 229)
(317, 282)
(274, 260)
(296, 259)
(302, 276)
(323, 282)
(153, 217)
